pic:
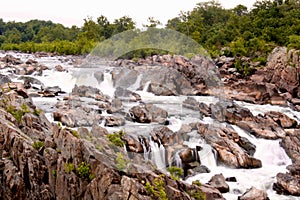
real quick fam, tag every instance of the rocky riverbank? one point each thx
(79, 156)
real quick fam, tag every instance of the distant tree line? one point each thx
(232, 32)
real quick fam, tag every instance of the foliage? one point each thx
(54, 173)
(37, 112)
(18, 114)
(176, 172)
(197, 194)
(121, 162)
(116, 138)
(250, 33)
(84, 171)
(38, 144)
(157, 190)
(69, 167)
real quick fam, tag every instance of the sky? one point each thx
(73, 12)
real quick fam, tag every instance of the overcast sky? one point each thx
(73, 12)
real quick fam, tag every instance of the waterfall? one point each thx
(207, 157)
(137, 83)
(146, 153)
(107, 86)
(178, 160)
(157, 154)
(146, 87)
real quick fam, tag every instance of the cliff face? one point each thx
(40, 160)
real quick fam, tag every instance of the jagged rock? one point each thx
(133, 144)
(254, 193)
(288, 183)
(99, 76)
(126, 94)
(225, 142)
(90, 92)
(291, 144)
(114, 121)
(148, 113)
(282, 120)
(116, 105)
(218, 181)
(164, 136)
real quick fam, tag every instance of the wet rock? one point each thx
(288, 183)
(225, 141)
(191, 103)
(282, 120)
(148, 113)
(90, 92)
(218, 181)
(231, 179)
(116, 105)
(99, 76)
(59, 68)
(254, 193)
(187, 155)
(126, 94)
(164, 136)
(133, 144)
(114, 121)
(31, 62)
(9, 59)
(53, 90)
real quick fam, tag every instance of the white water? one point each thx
(158, 155)
(107, 86)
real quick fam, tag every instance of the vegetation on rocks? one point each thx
(157, 191)
(176, 172)
(18, 113)
(116, 138)
(38, 144)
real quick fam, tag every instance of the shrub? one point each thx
(157, 190)
(116, 138)
(176, 172)
(69, 167)
(18, 114)
(84, 171)
(121, 162)
(38, 144)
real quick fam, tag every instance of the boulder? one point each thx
(288, 183)
(218, 181)
(282, 120)
(59, 68)
(225, 141)
(114, 121)
(164, 136)
(147, 113)
(254, 193)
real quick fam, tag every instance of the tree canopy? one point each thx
(235, 32)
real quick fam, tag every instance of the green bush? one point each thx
(121, 162)
(69, 167)
(54, 173)
(84, 171)
(116, 138)
(38, 144)
(197, 194)
(176, 172)
(18, 114)
(157, 190)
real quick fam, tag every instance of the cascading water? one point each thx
(178, 160)
(107, 86)
(157, 154)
